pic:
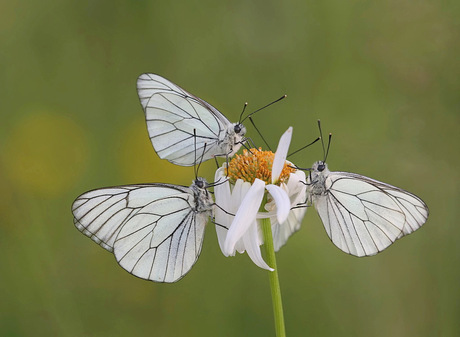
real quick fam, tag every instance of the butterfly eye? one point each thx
(199, 183)
(237, 128)
(321, 167)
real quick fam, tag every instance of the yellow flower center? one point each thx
(253, 164)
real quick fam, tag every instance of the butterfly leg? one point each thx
(251, 142)
(218, 224)
(223, 210)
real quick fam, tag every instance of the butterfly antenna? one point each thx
(266, 106)
(194, 145)
(321, 136)
(242, 112)
(201, 158)
(328, 146)
(295, 167)
(260, 134)
(218, 182)
(303, 147)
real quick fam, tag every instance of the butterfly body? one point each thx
(155, 231)
(203, 201)
(362, 216)
(317, 184)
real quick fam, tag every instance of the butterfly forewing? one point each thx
(154, 230)
(99, 214)
(175, 116)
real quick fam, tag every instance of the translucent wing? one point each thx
(363, 216)
(172, 114)
(153, 229)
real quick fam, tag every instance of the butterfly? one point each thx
(362, 216)
(154, 230)
(172, 114)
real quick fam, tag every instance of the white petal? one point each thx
(266, 215)
(239, 191)
(245, 215)
(224, 202)
(297, 188)
(231, 205)
(281, 154)
(281, 233)
(250, 240)
(222, 193)
(283, 204)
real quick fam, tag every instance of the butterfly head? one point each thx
(319, 166)
(234, 138)
(200, 183)
(239, 129)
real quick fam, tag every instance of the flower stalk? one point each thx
(273, 277)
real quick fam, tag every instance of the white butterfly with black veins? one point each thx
(155, 231)
(362, 216)
(172, 114)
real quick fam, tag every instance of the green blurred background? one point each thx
(382, 76)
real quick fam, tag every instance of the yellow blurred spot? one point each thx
(140, 164)
(44, 153)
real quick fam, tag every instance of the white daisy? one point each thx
(259, 184)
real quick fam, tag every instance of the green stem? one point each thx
(274, 281)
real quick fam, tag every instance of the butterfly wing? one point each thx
(152, 229)
(172, 114)
(363, 216)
